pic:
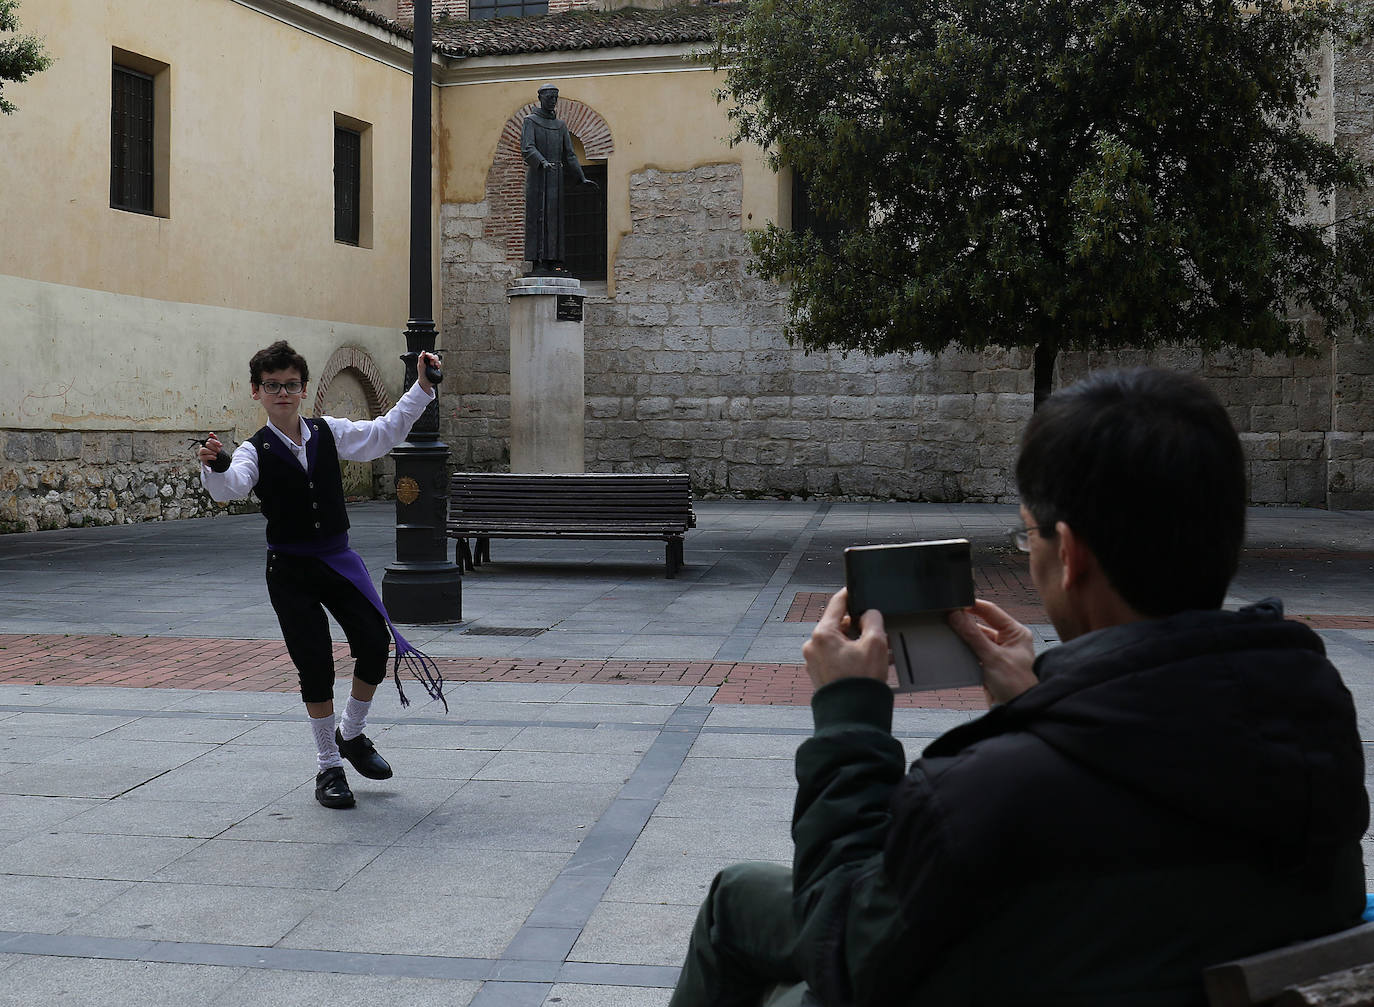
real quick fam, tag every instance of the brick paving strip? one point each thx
(159, 662)
(263, 666)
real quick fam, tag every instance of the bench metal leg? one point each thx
(672, 554)
(471, 556)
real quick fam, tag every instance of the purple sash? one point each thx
(334, 552)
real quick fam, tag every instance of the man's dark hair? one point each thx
(277, 357)
(1146, 468)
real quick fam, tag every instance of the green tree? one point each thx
(1056, 174)
(21, 56)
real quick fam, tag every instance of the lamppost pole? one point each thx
(422, 586)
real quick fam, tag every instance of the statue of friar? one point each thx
(547, 148)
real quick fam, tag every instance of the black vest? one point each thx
(300, 506)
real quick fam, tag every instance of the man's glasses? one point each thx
(289, 387)
(1020, 537)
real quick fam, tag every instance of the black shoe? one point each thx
(331, 788)
(363, 754)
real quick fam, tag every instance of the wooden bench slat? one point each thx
(604, 484)
(587, 535)
(517, 503)
(582, 492)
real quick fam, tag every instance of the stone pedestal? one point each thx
(547, 390)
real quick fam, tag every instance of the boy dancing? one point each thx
(292, 465)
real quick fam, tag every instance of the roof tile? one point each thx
(371, 16)
(582, 29)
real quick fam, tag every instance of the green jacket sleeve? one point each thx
(847, 913)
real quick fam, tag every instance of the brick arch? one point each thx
(360, 362)
(505, 224)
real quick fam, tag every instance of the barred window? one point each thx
(131, 140)
(485, 10)
(584, 223)
(347, 184)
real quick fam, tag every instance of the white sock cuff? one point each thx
(326, 749)
(354, 718)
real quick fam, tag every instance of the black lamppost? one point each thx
(422, 586)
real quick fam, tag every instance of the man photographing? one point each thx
(1171, 787)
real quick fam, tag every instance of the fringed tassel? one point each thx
(422, 666)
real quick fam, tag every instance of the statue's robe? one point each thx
(543, 138)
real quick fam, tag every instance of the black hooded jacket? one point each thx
(1172, 794)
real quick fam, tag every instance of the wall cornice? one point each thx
(566, 64)
(338, 26)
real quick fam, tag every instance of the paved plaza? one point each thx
(613, 738)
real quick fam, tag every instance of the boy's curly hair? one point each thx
(277, 357)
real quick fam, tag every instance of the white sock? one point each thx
(327, 750)
(354, 718)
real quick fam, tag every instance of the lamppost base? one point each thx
(422, 585)
(424, 592)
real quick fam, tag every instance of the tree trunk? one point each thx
(1045, 353)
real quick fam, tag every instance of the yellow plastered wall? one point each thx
(113, 319)
(670, 121)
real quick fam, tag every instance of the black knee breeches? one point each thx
(301, 589)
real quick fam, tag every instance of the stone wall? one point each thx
(688, 368)
(1281, 408)
(59, 479)
(1351, 447)
(688, 371)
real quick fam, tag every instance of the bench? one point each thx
(1332, 971)
(487, 505)
(1336, 970)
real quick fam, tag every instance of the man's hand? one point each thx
(426, 358)
(831, 654)
(1005, 648)
(209, 450)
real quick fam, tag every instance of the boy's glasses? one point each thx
(289, 387)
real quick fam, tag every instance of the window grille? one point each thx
(347, 184)
(584, 223)
(131, 141)
(485, 10)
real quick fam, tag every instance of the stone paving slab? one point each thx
(453, 882)
(546, 842)
(38, 980)
(292, 989)
(203, 913)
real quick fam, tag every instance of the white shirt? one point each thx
(356, 441)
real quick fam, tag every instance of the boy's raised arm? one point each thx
(364, 440)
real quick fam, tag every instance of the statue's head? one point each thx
(548, 97)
